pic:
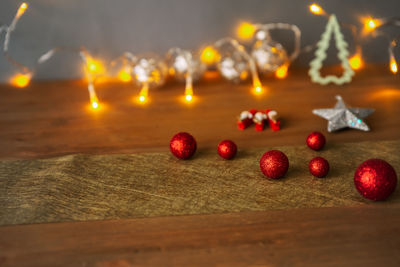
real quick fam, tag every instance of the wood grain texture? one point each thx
(52, 118)
(362, 236)
(296, 221)
(95, 187)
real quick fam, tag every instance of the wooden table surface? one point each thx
(366, 236)
(52, 118)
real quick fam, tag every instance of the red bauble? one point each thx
(375, 179)
(315, 140)
(274, 164)
(319, 167)
(227, 149)
(182, 145)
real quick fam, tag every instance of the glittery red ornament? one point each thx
(227, 149)
(319, 167)
(315, 140)
(375, 179)
(182, 145)
(274, 164)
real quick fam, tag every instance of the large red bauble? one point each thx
(274, 164)
(227, 149)
(182, 145)
(315, 140)
(319, 167)
(375, 179)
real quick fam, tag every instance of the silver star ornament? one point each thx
(342, 116)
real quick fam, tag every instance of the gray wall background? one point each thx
(108, 28)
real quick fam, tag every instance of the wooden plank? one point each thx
(94, 187)
(51, 118)
(346, 236)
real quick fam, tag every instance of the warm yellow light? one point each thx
(95, 66)
(171, 71)
(243, 75)
(387, 93)
(257, 87)
(246, 30)
(124, 75)
(371, 24)
(209, 55)
(155, 76)
(20, 80)
(95, 105)
(316, 9)
(144, 92)
(188, 98)
(94, 102)
(356, 62)
(21, 9)
(393, 65)
(281, 72)
(188, 92)
(142, 98)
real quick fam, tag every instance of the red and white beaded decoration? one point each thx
(260, 118)
(246, 119)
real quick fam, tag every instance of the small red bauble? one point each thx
(315, 140)
(274, 164)
(227, 149)
(182, 145)
(375, 179)
(319, 167)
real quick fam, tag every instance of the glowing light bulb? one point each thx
(243, 75)
(356, 62)
(316, 9)
(188, 98)
(142, 98)
(257, 87)
(144, 92)
(95, 105)
(393, 65)
(371, 24)
(246, 30)
(125, 75)
(281, 72)
(95, 66)
(188, 92)
(21, 10)
(94, 102)
(21, 80)
(209, 55)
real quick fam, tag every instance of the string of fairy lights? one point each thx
(371, 26)
(232, 60)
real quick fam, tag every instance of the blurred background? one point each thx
(109, 28)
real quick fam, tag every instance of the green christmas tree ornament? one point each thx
(315, 66)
